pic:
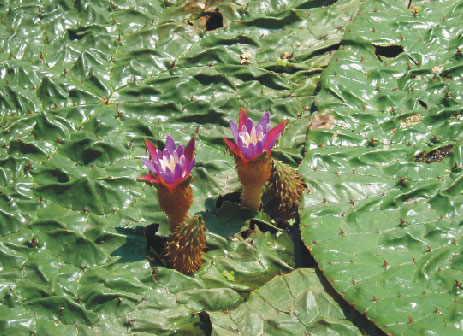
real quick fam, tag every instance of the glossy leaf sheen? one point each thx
(385, 229)
(82, 85)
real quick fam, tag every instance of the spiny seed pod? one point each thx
(285, 190)
(185, 247)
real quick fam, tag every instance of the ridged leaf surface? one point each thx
(82, 84)
(383, 219)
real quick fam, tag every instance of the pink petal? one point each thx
(149, 178)
(273, 134)
(189, 150)
(151, 149)
(243, 118)
(233, 147)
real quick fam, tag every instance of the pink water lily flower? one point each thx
(251, 141)
(170, 166)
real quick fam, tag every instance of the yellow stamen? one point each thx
(250, 138)
(171, 163)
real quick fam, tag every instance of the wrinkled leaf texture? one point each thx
(82, 84)
(384, 228)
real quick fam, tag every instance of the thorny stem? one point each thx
(175, 203)
(251, 196)
(253, 176)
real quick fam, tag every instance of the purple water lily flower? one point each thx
(170, 166)
(251, 141)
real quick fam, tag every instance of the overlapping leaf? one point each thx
(291, 304)
(83, 83)
(384, 216)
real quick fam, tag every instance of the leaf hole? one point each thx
(252, 227)
(390, 51)
(76, 34)
(422, 103)
(234, 197)
(61, 176)
(205, 322)
(214, 20)
(154, 241)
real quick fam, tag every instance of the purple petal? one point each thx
(260, 146)
(190, 166)
(157, 167)
(245, 151)
(252, 150)
(178, 173)
(249, 125)
(149, 165)
(240, 143)
(234, 131)
(158, 154)
(166, 153)
(170, 144)
(180, 150)
(180, 163)
(168, 178)
(261, 135)
(264, 122)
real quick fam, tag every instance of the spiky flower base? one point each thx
(186, 244)
(175, 202)
(253, 175)
(285, 189)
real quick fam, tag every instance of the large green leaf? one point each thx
(291, 304)
(83, 83)
(383, 224)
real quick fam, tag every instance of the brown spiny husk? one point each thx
(185, 247)
(285, 189)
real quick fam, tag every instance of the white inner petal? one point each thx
(169, 163)
(172, 162)
(253, 137)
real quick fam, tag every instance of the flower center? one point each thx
(171, 162)
(253, 137)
